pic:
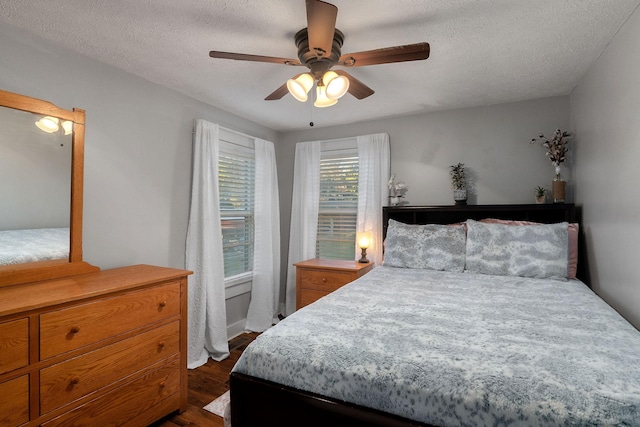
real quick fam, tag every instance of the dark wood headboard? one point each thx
(543, 213)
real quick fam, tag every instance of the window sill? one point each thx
(238, 285)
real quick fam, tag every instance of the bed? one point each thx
(420, 346)
(31, 245)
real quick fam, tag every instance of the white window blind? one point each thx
(236, 177)
(338, 205)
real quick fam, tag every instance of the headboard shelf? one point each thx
(543, 213)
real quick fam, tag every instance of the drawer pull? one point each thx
(74, 380)
(324, 280)
(163, 304)
(163, 384)
(72, 332)
(161, 345)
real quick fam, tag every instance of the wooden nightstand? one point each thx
(316, 278)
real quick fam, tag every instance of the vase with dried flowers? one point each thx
(396, 190)
(556, 150)
(459, 183)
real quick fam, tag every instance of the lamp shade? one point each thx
(48, 124)
(364, 239)
(321, 98)
(336, 86)
(300, 86)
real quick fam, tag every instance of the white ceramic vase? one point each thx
(460, 196)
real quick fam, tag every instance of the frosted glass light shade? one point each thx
(336, 85)
(48, 124)
(300, 86)
(321, 98)
(67, 125)
(364, 239)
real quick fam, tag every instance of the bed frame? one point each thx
(255, 401)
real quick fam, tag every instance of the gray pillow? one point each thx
(431, 246)
(540, 251)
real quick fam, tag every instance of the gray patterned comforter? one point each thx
(460, 349)
(30, 245)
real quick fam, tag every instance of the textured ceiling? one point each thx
(482, 51)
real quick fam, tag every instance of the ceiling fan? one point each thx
(319, 50)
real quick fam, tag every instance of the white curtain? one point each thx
(374, 162)
(207, 335)
(304, 213)
(265, 290)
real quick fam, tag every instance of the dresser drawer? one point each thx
(157, 393)
(14, 402)
(74, 327)
(67, 381)
(14, 345)
(324, 280)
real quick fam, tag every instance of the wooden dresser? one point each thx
(316, 278)
(103, 348)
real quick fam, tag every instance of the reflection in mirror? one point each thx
(41, 184)
(35, 187)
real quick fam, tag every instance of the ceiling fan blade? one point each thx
(255, 58)
(356, 87)
(321, 25)
(387, 55)
(280, 92)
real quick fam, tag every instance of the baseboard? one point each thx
(236, 329)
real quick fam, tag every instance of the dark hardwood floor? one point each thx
(205, 384)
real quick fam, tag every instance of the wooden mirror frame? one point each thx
(42, 270)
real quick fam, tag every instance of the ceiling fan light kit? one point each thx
(319, 49)
(331, 87)
(50, 124)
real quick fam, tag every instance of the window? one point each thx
(338, 204)
(236, 177)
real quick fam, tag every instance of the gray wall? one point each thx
(605, 110)
(492, 141)
(137, 151)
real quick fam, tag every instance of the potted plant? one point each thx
(540, 194)
(459, 183)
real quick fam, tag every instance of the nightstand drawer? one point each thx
(323, 280)
(71, 328)
(317, 277)
(14, 345)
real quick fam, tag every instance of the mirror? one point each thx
(41, 177)
(34, 213)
